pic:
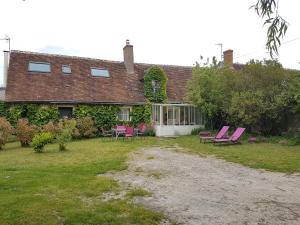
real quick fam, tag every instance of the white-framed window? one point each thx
(177, 114)
(42, 67)
(155, 86)
(66, 69)
(124, 114)
(99, 72)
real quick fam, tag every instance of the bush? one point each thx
(6, 131)
(40, 140)
(66, 129)
(25, 132)
(196, 131)
(149, 130)
(261, 96)
(86, 127)
(51, 128)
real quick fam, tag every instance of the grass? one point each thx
(268, 156)
(63, 187)
(138, 192)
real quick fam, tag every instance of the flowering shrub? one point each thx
(51, 128)
(25, 132)
(86, 127)
(5, 131)
(40, 140)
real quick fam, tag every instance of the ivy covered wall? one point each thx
(105, 116)
(36, 114)
(155, 85)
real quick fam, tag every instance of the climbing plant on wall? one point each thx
(140, 114)
(36, 114)
(105, 116)
(155, 84)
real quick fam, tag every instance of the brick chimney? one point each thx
(228, 58)
(128, 57)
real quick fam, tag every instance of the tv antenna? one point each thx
(221, 46)
(7, 38)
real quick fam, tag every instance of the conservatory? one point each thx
(176, 119)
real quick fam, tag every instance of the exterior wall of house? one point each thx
(161, 130)
(2, 93)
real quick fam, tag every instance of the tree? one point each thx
(262, 96)
(268, 10)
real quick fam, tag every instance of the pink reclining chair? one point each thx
(220, 135)
(233, 139)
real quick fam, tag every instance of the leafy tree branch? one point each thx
(277, 26)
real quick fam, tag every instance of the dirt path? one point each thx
(194, 190)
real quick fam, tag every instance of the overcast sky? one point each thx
(164, 32)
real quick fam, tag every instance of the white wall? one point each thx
(175, 130)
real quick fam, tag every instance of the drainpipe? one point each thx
(5, 67)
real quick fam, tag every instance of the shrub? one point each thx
(86, 127)
(5, 131)
(66, 129)
(149, 130)
(51, 127)
(196, 131)
(25, 132)
(40, 140)
(260, 96)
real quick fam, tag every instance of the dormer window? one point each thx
(66, 69)
(99, 72)
(41, 67)
(155, 86)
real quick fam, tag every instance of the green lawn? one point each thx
(273, 157)
(63, 187)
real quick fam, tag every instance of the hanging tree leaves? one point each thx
(268, 10)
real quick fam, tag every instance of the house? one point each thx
(68, 81)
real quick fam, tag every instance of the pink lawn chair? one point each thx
(220, 135)
(129, 132)
(120, 130)
(141, 129)
(233, 139)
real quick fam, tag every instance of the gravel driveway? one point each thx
(196, 190)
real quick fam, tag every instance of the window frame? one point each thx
(66, 65)
(129, 111)
(65, 107)
(156, 85)
(99, 68)
(38, 71)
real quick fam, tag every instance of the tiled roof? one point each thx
(80, 86)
